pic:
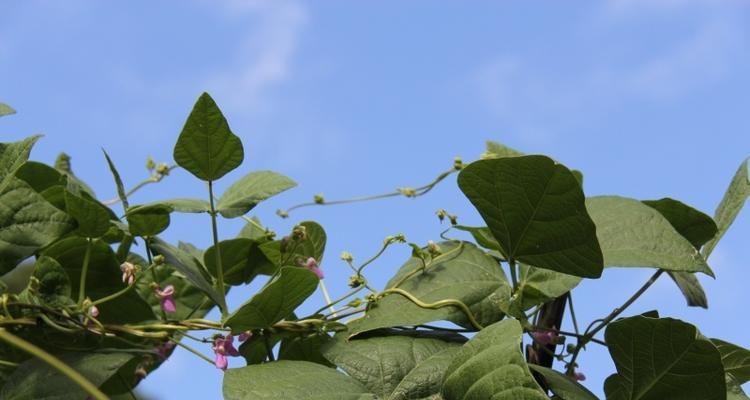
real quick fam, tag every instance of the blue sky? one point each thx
(648, 98)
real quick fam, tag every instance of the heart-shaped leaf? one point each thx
(207, 148)
(535, 209)
(148, 220)
(662, 358)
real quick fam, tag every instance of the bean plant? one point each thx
(93, 300)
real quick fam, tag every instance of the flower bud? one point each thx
(299, 233)
(408, 192)
(441, 214)
(458, 164)
(433, 248)
(150, 164)
(281, 213)
(162, 169)
(318, 198)
(355, 303)
(356, 281)
(159, 259)
(347, 256)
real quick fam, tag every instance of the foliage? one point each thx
(94, 301)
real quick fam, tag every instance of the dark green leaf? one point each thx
(562, 385)
(36, 380)
(62, 164)
(27, 223)
(482, 236)
(207, 148)
(12, 156)
(537, 286)
(250, 190)
(426, 379)
(736, 360)
(275, 301)
(187, 265)
(490, 366)
(662, 359)
(305, 348)
(697, 227)
(380, 363)
(734, 390)
(691, 288)
(463, 273)
(53, 280)
(633, 234)
(535, 210)
(284, 380)
(148, 220)
(241, 260)
(730, 206)
(92, 217)
(313, 246)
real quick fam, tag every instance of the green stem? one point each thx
(84, 272)
(269, 349)
(55, 363)
(513, 276)
(330, 303)
(149, 180)
(153, 270)
(219, 267)
(573, 313)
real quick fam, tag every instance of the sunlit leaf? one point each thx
(12, 156)
(250, 190)
(731, 205)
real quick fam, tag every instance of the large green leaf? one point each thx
(696, 227)
(633, 234)
(275, 301)
(250, 190)
(12, 156)
(730, 206)
(185, 205)
(305, 348)
(35, 379)
(241, 260)
(103, 278)
(380, 363)
(92, 217)
(27, 223)
(426, 379)
(148, 220)
(186, 264)
(562, 385)
(284, 380)
(662, 359)
(535, 210)
(54, 284)
(736, 360)
(207, 148)
(537, 286)
(6, 110)
(462, 273)
(491, 366)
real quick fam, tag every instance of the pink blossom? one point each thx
(223, 347)
(579, 376)
(167, 299)
(312, 265)
(544, 337)
(93, 311)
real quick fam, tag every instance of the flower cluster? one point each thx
(223, 346)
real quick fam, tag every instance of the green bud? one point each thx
(458, 164)
(318, 198)
(408, 192)
(281, 213)
(150, 164)
(159, 259)
(162, 169)
(347, 256)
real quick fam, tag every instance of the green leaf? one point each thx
(27, 223)
(35, 379)
(6, 110)
(697, 227)
(185, 205)
(253, 230)
(250, 190)
(537, 286)
(632, 234)
(207, 148)
(481, 235)
(462, 273)
(53, 280)
(62, 164)
(562, 385)
(497, 150)
(276, 300)
(736, 360)
(426, 379)
(12, 156)
(380, 363)
(662, 358)
(92, 217)
(734, 390)
(148, 220)
(691, 288)
(535, 210)
(118, 181)
(283, 380)
(103, 278)
(187, 265)
(305, 348)
(730, 206)
(490, 366)
(313, 246)
(241, 259)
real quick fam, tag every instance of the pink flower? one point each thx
(244, 336)
(544, 337)
(93, 311)
(312, 265)
(223, 347)
(167, 301)
(579, 376)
